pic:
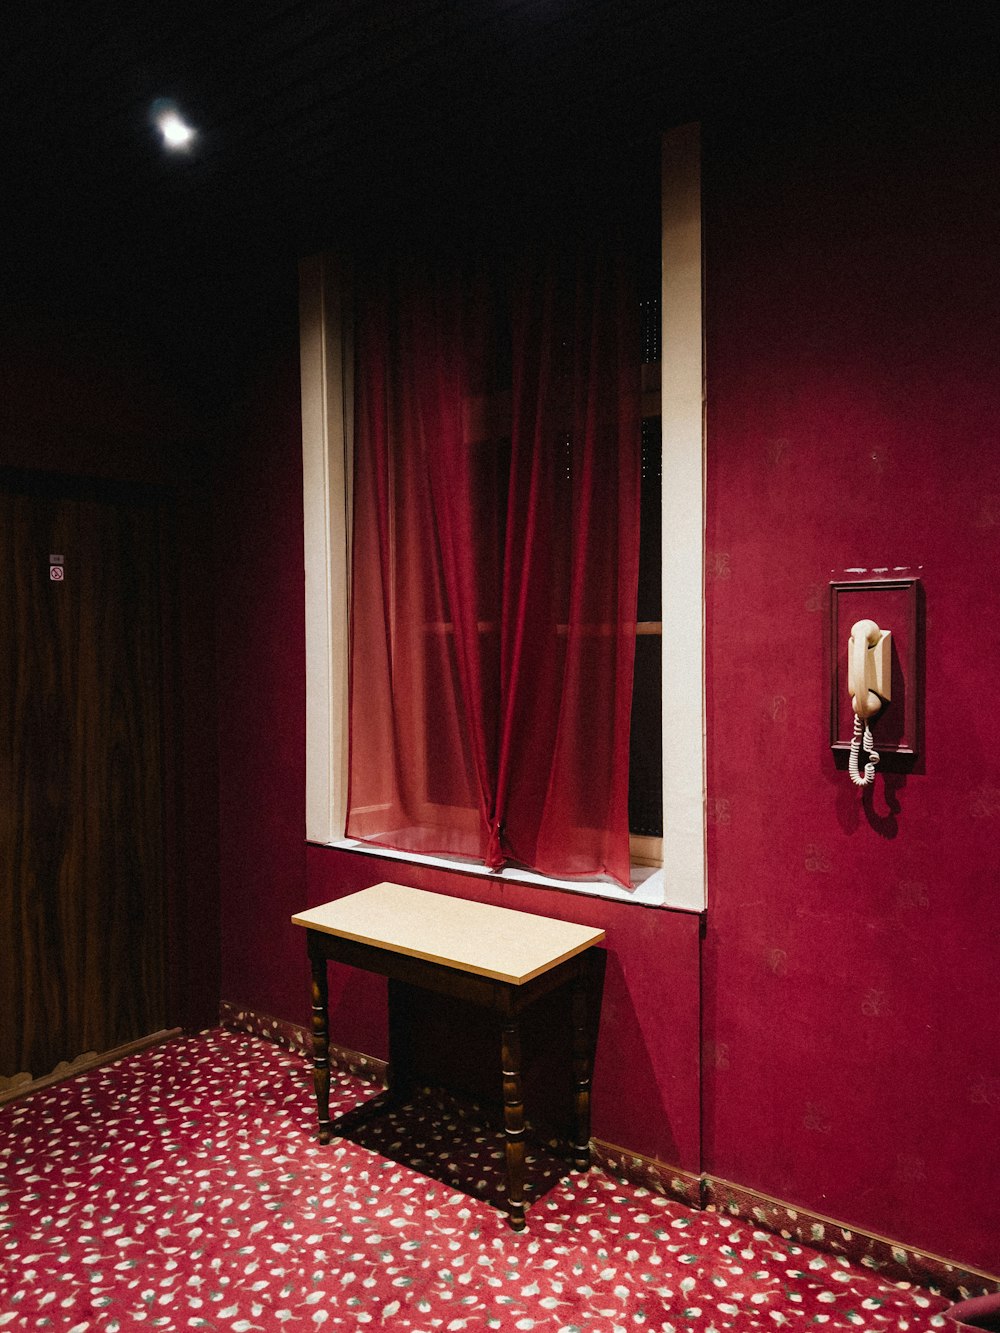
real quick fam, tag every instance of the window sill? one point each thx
(648, 883)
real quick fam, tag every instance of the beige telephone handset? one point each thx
(869, 682)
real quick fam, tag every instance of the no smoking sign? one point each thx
(57, 571)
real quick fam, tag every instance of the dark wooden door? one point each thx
(82, 762)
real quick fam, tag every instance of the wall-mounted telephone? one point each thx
(869, 682)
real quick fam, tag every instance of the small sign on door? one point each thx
(57, 568)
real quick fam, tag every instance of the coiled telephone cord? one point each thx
(862, 731)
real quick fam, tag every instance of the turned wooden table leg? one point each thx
(400, 1072)
(321, 1046)
(581, 1070)
(513, 1121)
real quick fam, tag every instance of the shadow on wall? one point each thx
(456, 1046)
(627, 1078)
(981, 1312)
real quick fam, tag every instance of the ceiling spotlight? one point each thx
(177, 133)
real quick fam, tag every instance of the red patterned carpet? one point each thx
(183, 1189)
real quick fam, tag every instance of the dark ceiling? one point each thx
(312, 111)
(299, 102)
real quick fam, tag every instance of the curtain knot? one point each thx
(494, 848)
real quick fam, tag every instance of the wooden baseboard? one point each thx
(648, 1173)
(890, 1258)
(21, 1086)
(296, 1038)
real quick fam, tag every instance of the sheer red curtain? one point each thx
(495, 557)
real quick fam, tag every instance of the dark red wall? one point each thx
(846, 983)
(851, 1019)
(262, 693)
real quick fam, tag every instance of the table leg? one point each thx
(513, 1121)
(321, 1046)
(581, 1070)
(400, 1072)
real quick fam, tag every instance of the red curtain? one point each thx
(495, 558)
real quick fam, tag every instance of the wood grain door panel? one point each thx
(82, 883)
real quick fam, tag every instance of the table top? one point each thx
(495, 942)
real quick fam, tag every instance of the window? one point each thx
(327, 400)
(645, 788)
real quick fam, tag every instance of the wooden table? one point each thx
(490, 956)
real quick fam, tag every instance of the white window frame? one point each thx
(327, 453)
